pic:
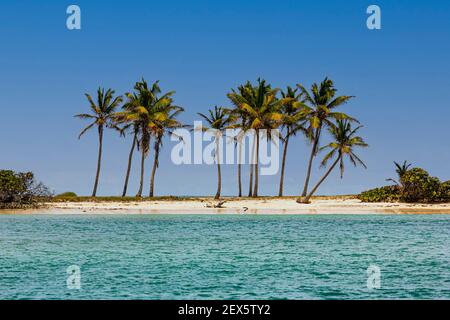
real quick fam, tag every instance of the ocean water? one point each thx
(225, 256)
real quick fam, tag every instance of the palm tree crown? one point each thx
(400, 169)
(102, 112)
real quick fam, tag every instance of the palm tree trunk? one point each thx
(239, 169)
(155, 165)
(141, 183)
(250, 188)
(255, 189)
(130, 160)
(219, 175)
(311, 158)
(283, 162)
(306, 199)
(99, 160)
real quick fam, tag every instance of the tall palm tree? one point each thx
(294, 121)
(102, 115)
(261, 106)
(165, 118)
(322, 102)
(345, 140)
(219, 119)
(140, 111)
(400, 169)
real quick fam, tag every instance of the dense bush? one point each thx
(383, 194)
(419, 186)
(444, 191)
(21, 190)
(416, 185)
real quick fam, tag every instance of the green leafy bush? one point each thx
(383, 194)
(67, 195)
(419, 186)
(20, 190)
(416, 185)
(444, 192)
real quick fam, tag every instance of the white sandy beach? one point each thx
(244, 206)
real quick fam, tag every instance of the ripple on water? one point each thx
(225, 257)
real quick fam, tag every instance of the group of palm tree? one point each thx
(147, 113)
(257, 109)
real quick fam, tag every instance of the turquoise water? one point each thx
(224, 256)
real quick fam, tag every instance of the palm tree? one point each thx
(102, 115)
(344, 142)
(401, 169)
(140, 111)
(261, 106)
(219, 119)
(322, 102)
(165, 118)
(294, 121)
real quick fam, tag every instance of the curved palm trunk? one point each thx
(239, 169)
(155, 166)
(219, 175)
(311, 158)
(99, 159)
(250, 188)
(283, 162)
(255, 189)
(306, 199)
(130, 160)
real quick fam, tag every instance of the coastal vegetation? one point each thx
(218, 119)
(148, 115)
(343, 144)
(21, 190)
(413, 185)
(101, 115)
(68, 194)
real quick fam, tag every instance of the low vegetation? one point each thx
(412, 186)
(21, 190)
(69, 194)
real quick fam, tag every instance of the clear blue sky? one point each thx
(400, 76)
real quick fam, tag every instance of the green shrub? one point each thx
(419, 186)
(383, 194)
(416, 185)
(67, 195)
(20, 189)
(444, 192)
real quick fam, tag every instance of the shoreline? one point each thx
(281, 206)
